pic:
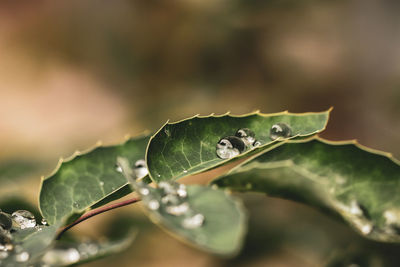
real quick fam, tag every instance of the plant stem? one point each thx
(96, 212)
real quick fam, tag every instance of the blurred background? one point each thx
(75, 72)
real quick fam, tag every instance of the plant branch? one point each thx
(96, 212)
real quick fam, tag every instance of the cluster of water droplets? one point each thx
(245, 139)
(231, 146)
(19, 220)
(171, 198)
(140, 168)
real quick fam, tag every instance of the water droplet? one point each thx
(177, 210)
(3, 255)
(118, 168)
(61, 257)
(193, 222)
(76, 205)
(390, 217)
(170, 199)
(153, 204)
(167, 187)
(355, 209)
(22, 257)
(257, 143)
(44, 222)
(101, 184)
(214, 186)
(366, 228)
(140, 169)
(5, 221)
(230, 147)
(25, 219)
(247, 136)
(158, 175)
(5, 241)
(181, 191)
(144, 191)
(184, 171)
(280, 130)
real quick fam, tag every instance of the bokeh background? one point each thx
(75, 72)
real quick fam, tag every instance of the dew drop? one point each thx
(25, 219)
(193, 222)
(247, 136)
(5, 241)
(101, 184)
(280, 130)
(355, 209)
(168, 188)
(153, 204)
(118, 168)
(177, 210)
(76, 205)
(185, 171)
(3, 255)
(366, 228)
(61, 257)
(167, 132)
(144, 191)
(22, 257)
(390, 217)
(44, 222)
(181, 191)
(170, 199)
(230, 147)
(257, 144)
(5, 221)
(141, 168)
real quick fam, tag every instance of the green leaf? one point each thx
(189, 146)
(17, 169)
(359, 184)
(210, 219)
(86, 179)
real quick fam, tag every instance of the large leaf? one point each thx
(189, 146)
(359, 184)
(86, 179)
(207, 218)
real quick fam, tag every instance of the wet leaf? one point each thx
(359, 184)
(189, 146)
(87, 179)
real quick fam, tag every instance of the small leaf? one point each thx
(87, 179)
(189, 146)
(359, 184)
(210, 219)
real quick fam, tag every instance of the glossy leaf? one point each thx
(359, 184)
(189, 146)
(86, 179)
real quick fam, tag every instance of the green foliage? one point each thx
(284, 158)
(86, 179)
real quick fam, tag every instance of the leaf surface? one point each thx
(359, 184)
(87, 179)
(189, 146)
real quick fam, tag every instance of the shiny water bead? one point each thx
(177, 210)
(247, 136)
(5, 241)
(153, 204)
(256, 144)
(141, 169)
(25, 219)
(5, 221)
(167, 187)
(118, 168)
(61, 257)
(170, 199)
(194, 221)
(22, 257)
(181, 191)
(144, 191)
(280, 130)
(229, 147)
(44, 222)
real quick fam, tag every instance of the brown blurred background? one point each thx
(74, 72)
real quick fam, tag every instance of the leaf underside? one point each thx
(356, 183)
(224, 226)
(87, 179)
(189, 146)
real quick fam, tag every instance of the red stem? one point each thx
(96, 212)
